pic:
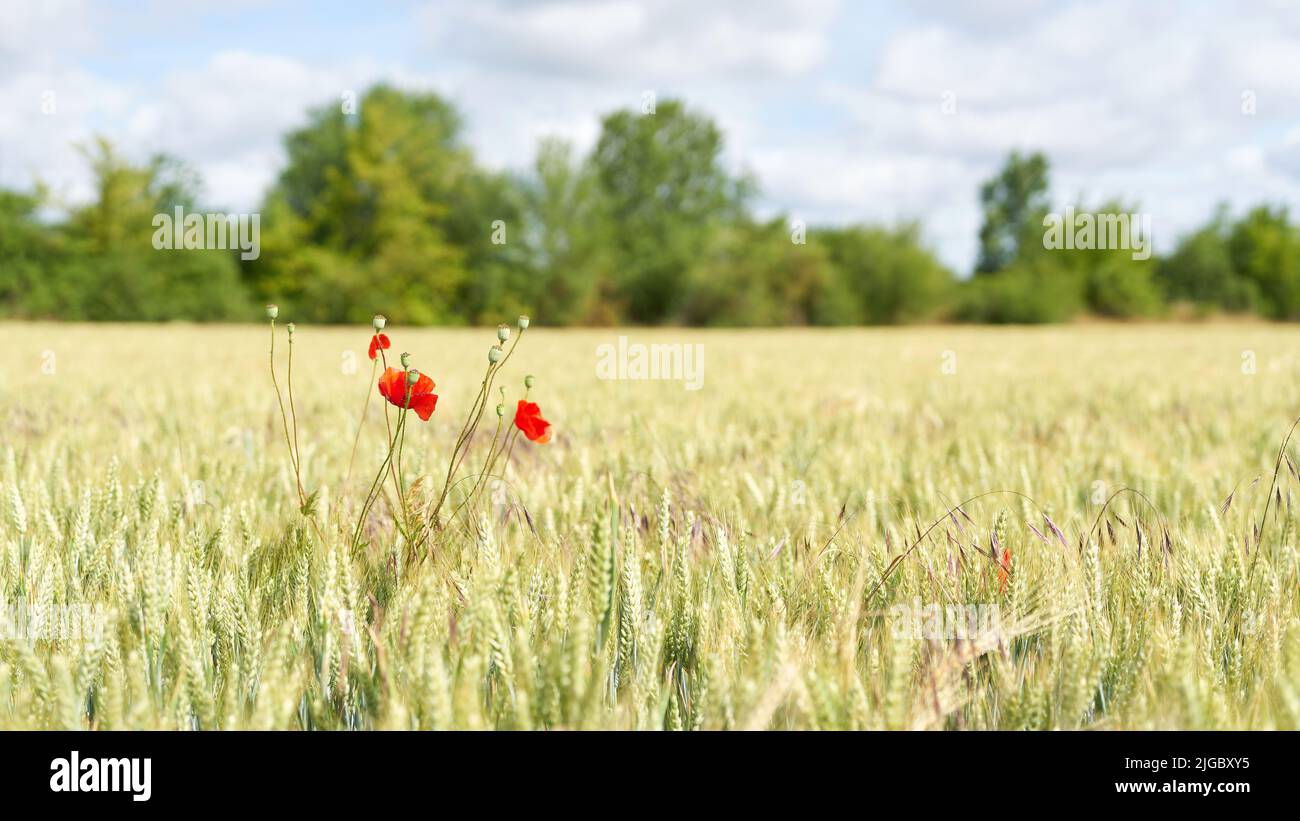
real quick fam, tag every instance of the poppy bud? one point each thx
(503, 332)
(494, 354)
(290, 329)
(406, 360)
(501, 410)
(412, 376)
(272, 311)
(378, 322)
(528, 381)
(523, 322)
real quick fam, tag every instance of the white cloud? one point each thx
(521, 71)
(229, 117)
(40, 35)
(1137, 101)
(628, 40)
(1142, 101)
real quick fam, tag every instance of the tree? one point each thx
(566, 236)
(666, 193)
(28, 249)
(108, 267)
(887, 272)
(1014, 204)
(1054, 284)
(361, 220)
(1200, 270)
(1265, 250)
(1035, 290)
(751, 274)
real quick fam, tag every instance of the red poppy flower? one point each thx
(378, 341)
(392, 386)
(1004, 570)
(528, 418)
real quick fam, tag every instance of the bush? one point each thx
(1201, 271)
(887, 273)
(1026, 293)
(754, 275)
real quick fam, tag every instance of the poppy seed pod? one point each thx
(272, 311)
(378, 322)
(289, 327)
(412, 376)
(503, 332)
(406, 360)
(501, 410)
(523, 322)
(528, 381)
(494, 354)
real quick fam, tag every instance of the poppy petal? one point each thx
(424, 404)
(392, 386)
(528, 418)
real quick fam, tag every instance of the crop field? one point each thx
(790, 543)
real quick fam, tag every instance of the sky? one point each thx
(844, 112)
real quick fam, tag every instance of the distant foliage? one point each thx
(1265, 251)
(887, 274)
(386, 208)
(1013, 203)
(1200, 271)
(1021, 280)
(100, 264)
(667, 196)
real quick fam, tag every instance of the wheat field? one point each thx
(778, 549)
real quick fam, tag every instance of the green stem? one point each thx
(376, 484)
(365, 408)
(471, 424)
(388, 423)
(293, 411)
(284, 420)
(494, 453)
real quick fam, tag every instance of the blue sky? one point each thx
(838, 108)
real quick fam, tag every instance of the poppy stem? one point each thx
(397, 477)
(284, 420)
(365, 408)
(401, 446)
(373, 494)
(527, 390)
(459, 452)
(388, 423)
(493, 452)
(514, 437)
(293, 411)
(508, 446)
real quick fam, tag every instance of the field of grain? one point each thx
(757, 553)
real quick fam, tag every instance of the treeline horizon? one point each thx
(385, 210)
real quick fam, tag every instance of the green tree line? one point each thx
(386, 210)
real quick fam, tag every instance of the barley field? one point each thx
(779, 549)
